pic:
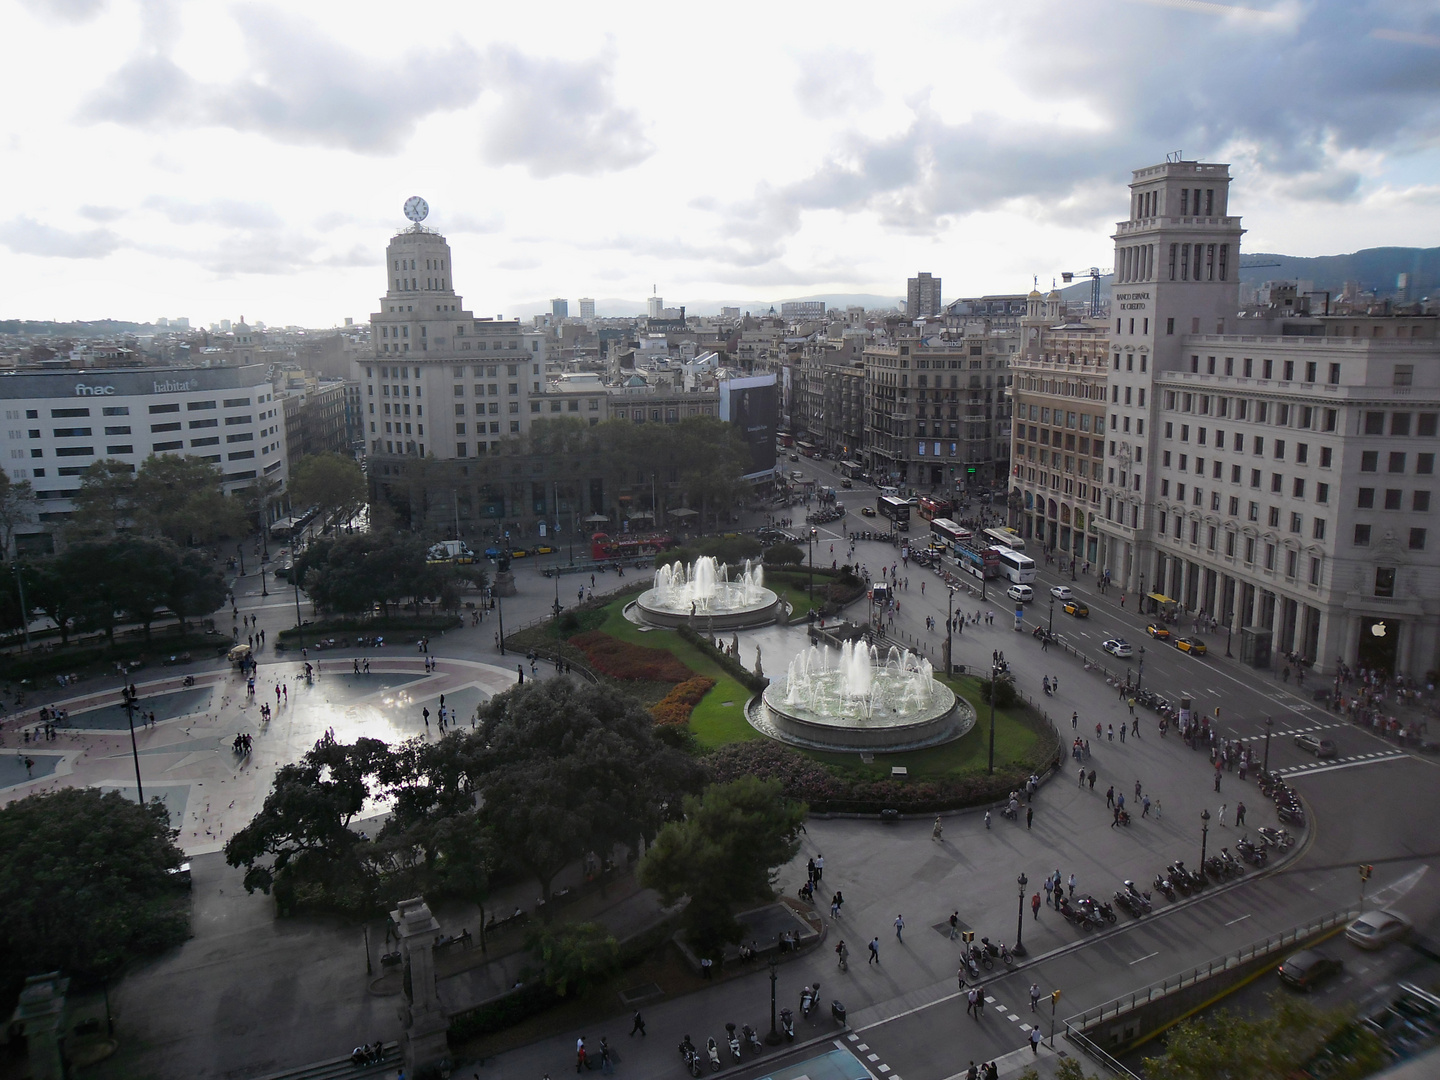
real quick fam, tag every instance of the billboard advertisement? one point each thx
(752, 405)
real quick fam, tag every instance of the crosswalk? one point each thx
(1326, 764)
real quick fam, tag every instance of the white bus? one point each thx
(1016, 568)
(1006, 538)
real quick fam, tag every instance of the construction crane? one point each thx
(1094, 273)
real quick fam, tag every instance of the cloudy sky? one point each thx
(214, 159)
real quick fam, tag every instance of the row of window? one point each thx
(1282, 414)
(1251, 549)
(1082, 421)
(1416, 539)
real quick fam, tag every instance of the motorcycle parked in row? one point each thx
(691, 1056)
(1276, 838)
(1134, 901)
(1162, 884)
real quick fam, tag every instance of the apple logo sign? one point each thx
(1378, 629)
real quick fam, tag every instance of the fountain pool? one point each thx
(711, 595)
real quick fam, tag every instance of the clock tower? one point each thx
(1177, 278)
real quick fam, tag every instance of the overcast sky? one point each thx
(214, 159)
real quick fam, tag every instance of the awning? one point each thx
(1161, 598)
(684, 512)
(595, 519)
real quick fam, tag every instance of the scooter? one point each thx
(988, 953)
(787, 1025)
(972, 969)
(752, 1038)
(733, 1040)
(714, 1052)
(1181, 881)
(1006, 955)
(189, 680)
(1162, 884)
(808, 997)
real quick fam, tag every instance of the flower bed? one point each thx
(828, 792)
(622, 660)
(676, 706)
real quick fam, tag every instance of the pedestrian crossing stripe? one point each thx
(1326, 763)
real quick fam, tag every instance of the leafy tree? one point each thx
(575, 956)
(784, 555)
(17, 507)
(181, 499)
(354, 572)
(105, 501)
(1237, 1047)
(302, 833)
(195, 587)
(260, 496)
(330, 482)
(50, 588)
(83, 883)
(723, 852)
(569, 769)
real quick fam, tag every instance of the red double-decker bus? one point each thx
(605, 546)
(931, 508)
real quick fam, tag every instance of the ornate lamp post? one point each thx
(1050, 630)
(1021, 881)
(1204, 836)
(1140, 675)
(1266, 767)
(773, 1039)
(240, 550)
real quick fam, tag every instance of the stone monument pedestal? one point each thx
(40, 1017)
(422, 1014)
(504, 584)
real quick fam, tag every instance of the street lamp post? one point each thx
(500, 612)
(1021, 881)
(773, 1039)
(949, 630)
(25, 610)
(130, 704)
(240, 550)
(1050, 630)
(811, 539)
(1266, 767)
(1204, 836)
(1140, 675)
(994, 669)
(1228, 629)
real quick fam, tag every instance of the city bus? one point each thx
(931, 507)
(980, 561)
(896, 509)
(948, 531)
(1015, 567)
(1006, 537)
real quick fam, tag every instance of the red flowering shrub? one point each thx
(676, 706)
(621, 660)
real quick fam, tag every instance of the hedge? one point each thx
(826, 792)
(732, 667)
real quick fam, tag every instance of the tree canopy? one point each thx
(723, 852)
(354, 572)
(333, 483)
(17, 507)
(171, 496)
(83, 883)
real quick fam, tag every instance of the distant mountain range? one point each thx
(1376, 269)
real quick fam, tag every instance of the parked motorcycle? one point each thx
(787, 1026)
(752, 1038)
(1277, 838)
(1162, 884)
(734, 1041)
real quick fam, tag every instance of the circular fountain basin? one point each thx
(733, 612)
(702, 595)
(944, 719)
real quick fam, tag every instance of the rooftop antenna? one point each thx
(1173, 157)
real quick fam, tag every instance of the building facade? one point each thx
(1058, 442)
(1274, 472)
(937, 407)
(922, 297)
(58, 424)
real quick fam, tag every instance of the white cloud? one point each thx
(26, 236)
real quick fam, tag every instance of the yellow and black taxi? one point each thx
(1158, 630)
(1076, 608)
(1193, 645)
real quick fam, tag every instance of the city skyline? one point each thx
(214, 161)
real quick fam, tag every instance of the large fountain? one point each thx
(709, 595)
(853, 699)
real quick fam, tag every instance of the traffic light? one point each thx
(1365, 871)
(1054, 996)
(967, 936)
(1217, 712)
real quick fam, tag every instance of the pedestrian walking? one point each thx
(1122, 731)
(1131, 703)
(1110, 733)
(638, 1025)
(606, 1067)
(1072, 885)
(521, 669)
(1217, 778)
(1034, 995)
(580, 1054)
(1110, 796)
(874, 952)
(899, 926)
(1157, 809)
(954, 925)
(1082, 776)
(1029, 815)
(819, 866)
(1074, 721)
(1092, 771)
(1222, 815)
(1137, 789)
(1035, 1041)
(1035, 906)
(970, 1000)
(1049, 888)
(1145, 806)
(1135, 727)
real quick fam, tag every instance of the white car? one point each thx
(1118, 647)
(1022, 593)
(1061, 592)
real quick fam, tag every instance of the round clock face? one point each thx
(416, 208)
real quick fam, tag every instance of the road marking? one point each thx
(853, 1037)
(1147, 956)
(872, 1057)
(1348, 763)
(884, 1068)
(861, 1046)
(1242, 918)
